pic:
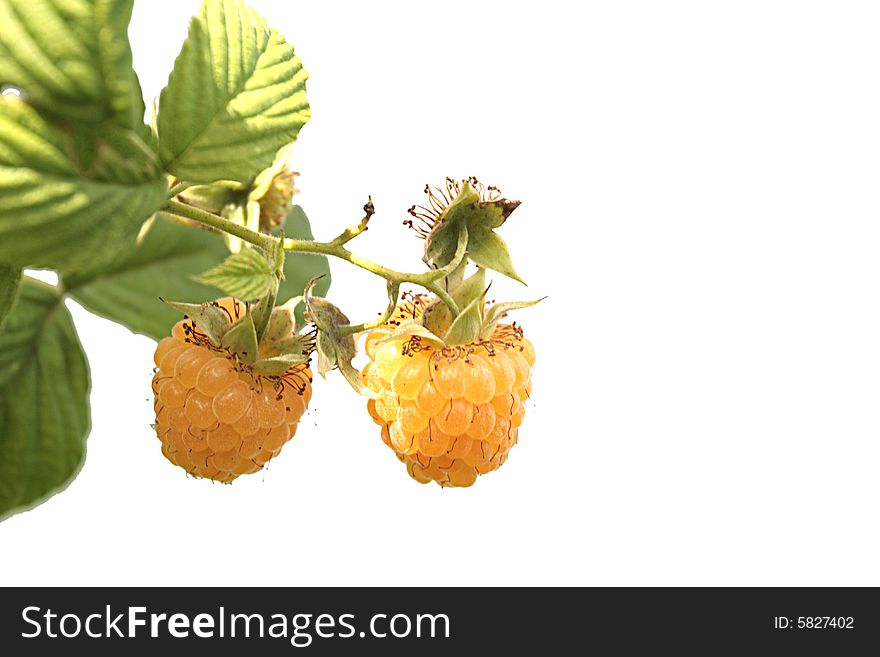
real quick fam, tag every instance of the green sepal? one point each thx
(245, 275)
(456, 275)
(413, 328)
(441, 244)
(487, 249)
(326, 349)
(282, 322)
(281, 339)
(496, 312)
(295, 344)
(278, 365)
(437, 316)
(262, 309)
(458, 262)
(209, 318)
(335, 349)
(241, 339)
(493, 214)
(473, 287)
(465, 328)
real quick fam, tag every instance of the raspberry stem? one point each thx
(393, 293)
(265, 242)
(179, 188)
(335, 247)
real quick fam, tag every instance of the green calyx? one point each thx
(477, 320)
(465, 205)
(271, 352)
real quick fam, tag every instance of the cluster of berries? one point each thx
(447, 380)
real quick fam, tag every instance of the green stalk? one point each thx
(336, 248)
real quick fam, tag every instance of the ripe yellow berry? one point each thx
(371, 377)
(165, 345)
(249, 423)
(215, 375)
(214, 417)
(411, 419)
(521, 367)
(374, 337)
(432, 442)
(198, 410)
(482, 423)
(451, 414)
(448, 376)
(232, 401)
(410, 378)
(403, 441)
(389, 359)
(479, 382)
(528, 351)
(429, 400)
(222, 438)
(169, 358)
(189, 364)
(386, 405)
(171, 393)
(455, 417)
(270, 406)
(502, 370)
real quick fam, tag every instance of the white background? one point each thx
(699, 186)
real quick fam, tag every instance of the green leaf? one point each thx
(44, 399)
(236, 95)
(72, 58)
(245, 275)
(9, 280)
(488, 250)
(242, 339)
(128, 289)
(495, 313)
(70, 198)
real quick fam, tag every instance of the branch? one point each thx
(265, 242)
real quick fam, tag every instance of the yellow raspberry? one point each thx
(450, 414)
(215, 418)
